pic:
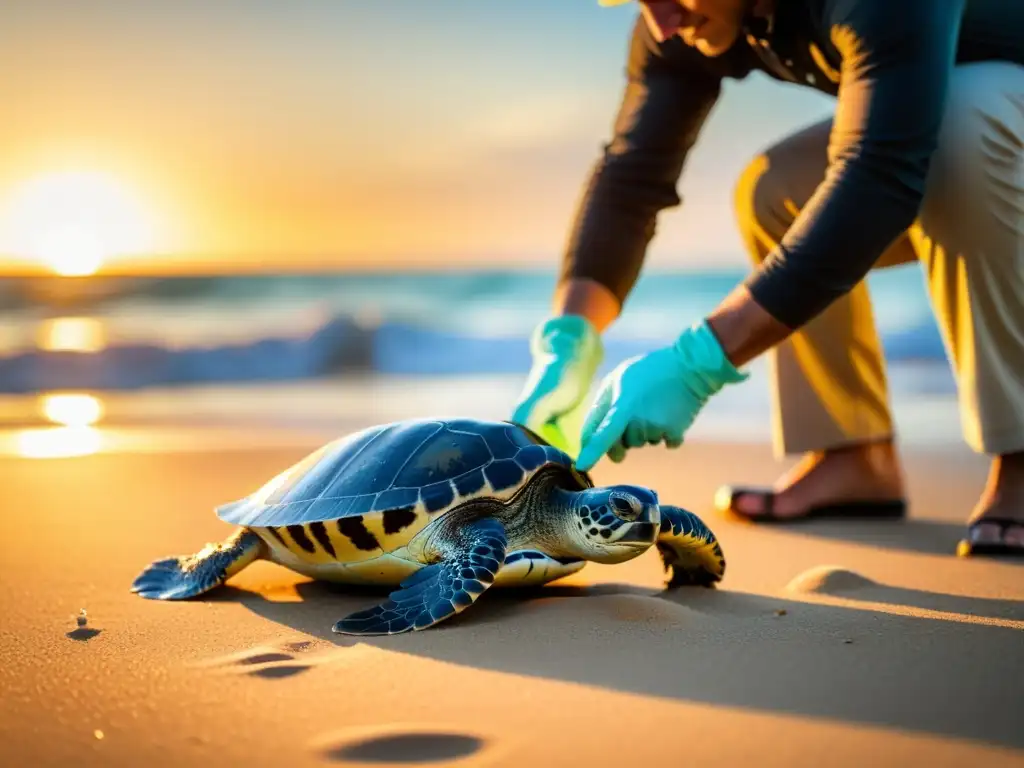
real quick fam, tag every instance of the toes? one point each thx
(752, 504)
(760, 504)
(748, 503)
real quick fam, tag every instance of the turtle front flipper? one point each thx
(689, 549)
(178, 578)
(470, 562)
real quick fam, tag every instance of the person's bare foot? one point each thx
(856, 473)
(1002, 502)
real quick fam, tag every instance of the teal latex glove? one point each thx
(566, 352)
(655, 397)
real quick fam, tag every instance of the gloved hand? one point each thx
(566, 352)
(655, 397)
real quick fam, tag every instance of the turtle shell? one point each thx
(409, 466)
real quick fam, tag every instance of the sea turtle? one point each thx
(441, 509)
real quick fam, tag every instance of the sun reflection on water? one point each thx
(75, 414)
(58, 442)
(71, 410)
(72, 334)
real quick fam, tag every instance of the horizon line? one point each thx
(281, 264)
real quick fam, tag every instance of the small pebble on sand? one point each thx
(847, 642)
(781, 612)
(98, 734)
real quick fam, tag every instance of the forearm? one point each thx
(616, 219)
(587, 298)
(816, 265)
(668, 96)
(744, 328)
(858, 212)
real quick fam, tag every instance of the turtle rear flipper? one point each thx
(440, 590)
(689, 549)
(178, 578)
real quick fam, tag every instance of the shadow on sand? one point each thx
(845, 663)
(922, 536)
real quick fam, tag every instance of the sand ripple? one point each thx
(828, 580)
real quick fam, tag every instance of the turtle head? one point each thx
(615, 523)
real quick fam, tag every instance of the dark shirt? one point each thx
(888, 62)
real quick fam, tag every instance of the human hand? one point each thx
(566, 352)
(655, 397)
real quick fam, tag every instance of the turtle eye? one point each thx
(625, 506)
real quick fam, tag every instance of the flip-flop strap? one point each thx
(1003, 523)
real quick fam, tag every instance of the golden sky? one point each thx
(340, 133)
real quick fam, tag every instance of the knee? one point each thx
(776, 185)
(758, 201)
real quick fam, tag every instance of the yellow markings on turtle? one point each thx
(294, 538)
(386, 569)
(395, 528)
(275, 537)
(300, 541)
(707, 552)
(351, 541)
(485, 491)
(327, 542)
(691, 552)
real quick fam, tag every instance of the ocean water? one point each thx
(135, 334)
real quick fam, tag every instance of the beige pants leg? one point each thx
(829, 383)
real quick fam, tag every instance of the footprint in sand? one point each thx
(828, 580)
(414, 746)
(271, 662)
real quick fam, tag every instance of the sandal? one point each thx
(866, 509)
(969, 546)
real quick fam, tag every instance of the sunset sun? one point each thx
(73, 222)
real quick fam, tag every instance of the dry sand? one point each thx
(827, 644)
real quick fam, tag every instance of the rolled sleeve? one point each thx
(897, 58)
(668, 95)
